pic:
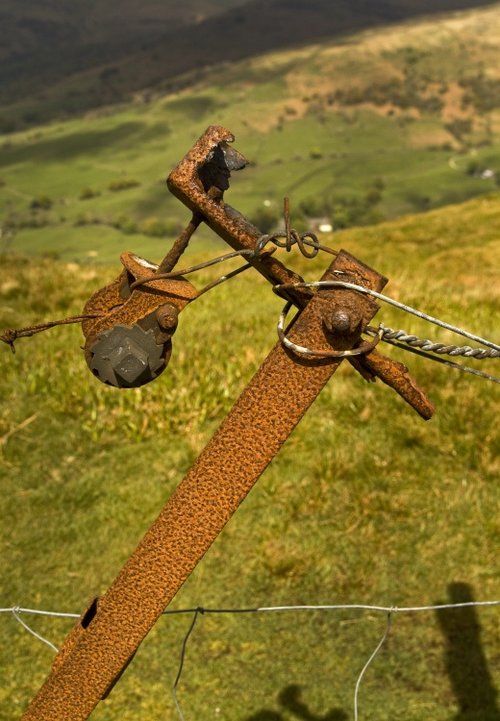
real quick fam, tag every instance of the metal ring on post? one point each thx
(365, 347)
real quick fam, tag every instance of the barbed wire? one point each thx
(196, 612)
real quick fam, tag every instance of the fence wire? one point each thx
(197, 612)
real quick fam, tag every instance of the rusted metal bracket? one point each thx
(131, 321)
(109, 632)
(188, 182)
(128, 333)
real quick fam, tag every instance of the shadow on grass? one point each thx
(290, 700)
(66, 147)
(466, 666)
(466, 663)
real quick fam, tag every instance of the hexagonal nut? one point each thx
(127, 357)
(129, 361)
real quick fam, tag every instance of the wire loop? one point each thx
(292, 237)
(365, 347)
(397, 338)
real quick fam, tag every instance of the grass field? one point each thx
(366, 503)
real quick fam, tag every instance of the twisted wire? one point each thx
(444, 361)
(11, 334)
(400, 338)
(389, 334)
(292, 237)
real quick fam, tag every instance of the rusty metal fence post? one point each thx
(268, 410)
(109, 632)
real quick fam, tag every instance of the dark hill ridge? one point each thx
(36, 24)
(81, 58)
(260, 26)
(50, 39)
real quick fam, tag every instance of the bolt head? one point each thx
(341, 322)
(127, 357)
(167, 317)
(129, 361)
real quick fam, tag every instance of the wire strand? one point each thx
(193, 268)
(367, 664)
(444, 361)
(424, 344)
(280, 609)
(15, 613)
(181, 661)
(200, 610)
(12, 334)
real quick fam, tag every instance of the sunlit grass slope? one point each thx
(366, 503)
(392, 121)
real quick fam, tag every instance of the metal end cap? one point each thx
(127, 357)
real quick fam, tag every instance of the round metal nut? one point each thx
(167, 317)
(342, 322)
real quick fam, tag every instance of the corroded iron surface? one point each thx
(397, 376)
(184, 182)
(262, 419)
(187, 185)
(109, 632)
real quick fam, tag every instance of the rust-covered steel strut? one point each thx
(128, 330)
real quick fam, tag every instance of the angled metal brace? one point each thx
(109, 633)
(188, 183)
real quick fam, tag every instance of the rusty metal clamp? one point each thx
(128, 341)
(361, 349)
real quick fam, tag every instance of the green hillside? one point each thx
(62, 57)
(388, 122)
(366, 503)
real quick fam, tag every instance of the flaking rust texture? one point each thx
(134, 307)
(131, 321)
(397, 376)
(262, 419)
